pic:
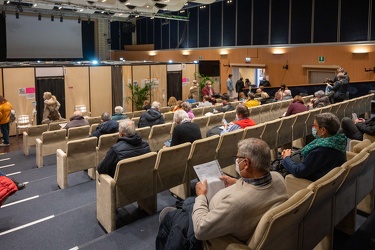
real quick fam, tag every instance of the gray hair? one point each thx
(319, 93)
(118, 110)
(328, 121)
(155, 105)
(179, 115)
(106, 116)
(257, 151)
(127, 128)
(186, 106)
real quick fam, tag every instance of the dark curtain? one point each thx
(117, 95)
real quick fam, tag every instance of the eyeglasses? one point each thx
(235, 157)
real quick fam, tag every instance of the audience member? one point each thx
(264, 82)
(247, 87)
(8, 187)
(152, 116)
(50, 104)
(206, 102)
(251, 102)
(287, 94)
(241, 97)
(172, 101)
(340, 88)
(355, 129)
(320, 100)
(107, 126)
(129, 144)
(77, 120)
(297, 106)
(191, 99)
(187, 108)
(278, 96)
(194, 91)
(185, 130)
(321, 155)
(234, 210)
(208, 90)
(239, 87)
(5, 110)
(178, 106)
(118, 115)
(226, 105)
(230, 87)
(146, 105)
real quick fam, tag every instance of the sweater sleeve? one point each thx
(175, 137)
(289, 111)
(306, 167)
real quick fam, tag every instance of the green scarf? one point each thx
(337, 141)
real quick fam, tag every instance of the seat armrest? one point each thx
(294, 184)
(352, 143)
(106, 201)
(62, 168)
(25, 143)
(350, 155)
(226, 242)
(39, 153)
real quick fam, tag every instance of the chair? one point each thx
(168, 117)
(138, 113)
(129, 115)
(30, 135)
(83, 109)
(164, 109)
(307, 99)
(93, 127)
(275, 110)
(202, 123)
(202, 151)
(171, 166)
(136, 121)
(265, 112)
(76, 133)
(299, 129)
(197, 112)
(234, 104)
(349, 108)
(207, 109)
(56, 126)
(133, 181)
(22, 122)
(104, 144)
(159, 134)
(80, 155)
(94, 120)
(370, 137)
(214, 120)
(285, 132)
(230, 115)
(279, 227)
(226, 149)
(253, 131)
(270, 136)
(255, 114)
(341, 111)
(310, 120)
(144, 132)
(49, 142)
(367, 105)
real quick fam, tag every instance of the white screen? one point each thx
(27, 37)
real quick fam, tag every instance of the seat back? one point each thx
(207, 109)
(341, 111)
(55, 126)
(275, 110)
(81, 154)
(52, 140)
(129, 115)
(285, 132)
(310, 120)
(255, 114)
(23, 121)
(34, 132)
(270, 133)
(326, 109)
(171, 166)
(202, 123)
(197, 112)
(307, 98)
(369, 137)
(138, 113)
(279, 227)
(164, 109)
(93, 127)
(136, 121)
(105, 143)
(234, 104)
(365, 180)
(357, 106)
(298, 127)
(168, 117)
(94, 120)
(76, 133)
(144, 132)
(215, 120)
(265, 112)
(227, 148)
(159, 134)
(349, 108)
(253, 131)
(230, 116)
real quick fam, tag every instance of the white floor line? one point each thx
(74, 248)
(16, 202)
(5, 159)
(26, 225)
(7, 166)
(14, 173)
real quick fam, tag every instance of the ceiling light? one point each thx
(103, 1)
(8, 2)
(60, 7)
(278, 52)
(102, 12)
(35, 4)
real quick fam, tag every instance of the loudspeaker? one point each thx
(128, 28)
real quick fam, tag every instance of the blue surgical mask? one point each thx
(314, 132)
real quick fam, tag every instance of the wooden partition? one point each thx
(188, 72)
(100, 90)
(126, 79)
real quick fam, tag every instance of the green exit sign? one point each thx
(200, 58)
(321, 59)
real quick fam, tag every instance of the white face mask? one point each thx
(238, 167)
(314, 132)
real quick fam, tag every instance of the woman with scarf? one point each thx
(324, 153)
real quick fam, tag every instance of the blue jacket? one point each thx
(316, 164)
(107, 127)
(125, 147)
(150, 117)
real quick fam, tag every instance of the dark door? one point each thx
(56, 87)
(174, 84)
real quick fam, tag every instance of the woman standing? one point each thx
(5, 109)
(51, 104)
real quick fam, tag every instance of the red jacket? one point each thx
(246, 122)
(7, 188)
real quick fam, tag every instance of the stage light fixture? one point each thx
(17, 15)
(39, 17)
(52, 18)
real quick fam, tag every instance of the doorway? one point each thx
(56, 87)
(174, 84)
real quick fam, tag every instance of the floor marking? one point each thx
(26, 225)
(16, 202)
(5, 159)
(7, 166)
(14, 173)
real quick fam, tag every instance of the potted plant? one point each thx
(139, 93)
(202, 81)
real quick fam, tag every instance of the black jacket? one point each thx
(150, 117)
(185, 132)
(367, 127)
(125, 147)
(107, 127)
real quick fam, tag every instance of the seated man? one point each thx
(355, 130)
(234, 210)
(118, 115)
(129, 144)
(242, 120)
(226, 105)
(206, 102)
(107, 126)
(77, 120)
(151, 117)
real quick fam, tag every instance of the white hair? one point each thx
(179, 116)
(118, 110)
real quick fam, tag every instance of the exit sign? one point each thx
(321, 59)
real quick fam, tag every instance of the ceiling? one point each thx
(124, 10)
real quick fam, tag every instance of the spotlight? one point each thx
(52, 18)
(17, 15)
(79, 20)
(8, 2)
(61, 19)
(39, 17)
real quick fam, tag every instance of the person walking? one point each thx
(5, 110)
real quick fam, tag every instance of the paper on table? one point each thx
(210, 171)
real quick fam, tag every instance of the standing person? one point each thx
(340, 88)
(51, 104)
(230, 87)
(247, 86)
(239, 86)
(5, 109)
(194, 91)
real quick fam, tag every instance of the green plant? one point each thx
(203, 79)
(139, 94)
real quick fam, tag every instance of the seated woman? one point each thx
(297, 106)
(185, 130)
(320, 100)
(172, 101)
(242, 97)
(251, 102)
(187, 108)
(178, 106)
(191, 99)
(118, 115)
(321, 155)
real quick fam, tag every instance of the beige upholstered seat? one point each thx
(23, 122)
(104, 144)
(168, 117)
(136, 121)
(215, 120)
(164, 109)
(202, 123)
(159, 134)
(171, 166)
(77, 133)
(367, 105)
(310, 120)
(49, 143)
(279, 228)
(307, 98)
(202, 151)
(144, 132)
(80, 155)
(133, 181)
(369, 137)
(285, 131)
(299, 129)
(129, 115)
(197, 112)
(226, 149)
(265, 112)
(94, 120)
(93, 127)
(341, 111)
(235, 103)
(326, 109)
(270, 135)
(255, 114)
(55, 126)
(207, 109)
(284, 106)
(30, 135)
(230, 116)
(275, 110)
(349, 108)
(253, 131)
(138, 113)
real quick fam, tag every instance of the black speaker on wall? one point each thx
(128, 28)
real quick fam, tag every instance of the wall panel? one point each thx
(127, 79)
(159, 92)
(244, 21)
(76, 88)
(301, 21)
(325, 21)
(354, 20)
(100, 90)
(280, 22)
(204, 27)
(193, 28)
(188, 72)
(229, 24)
(216, 24)
(261, 22)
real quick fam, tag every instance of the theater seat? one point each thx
(30, 135)
(49, 143)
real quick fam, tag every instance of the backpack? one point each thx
(12, 117)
